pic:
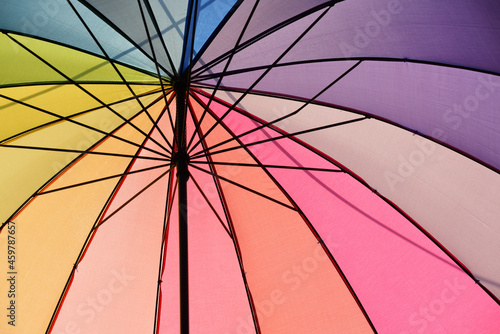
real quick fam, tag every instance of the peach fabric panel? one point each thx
(115, 285)
(296, 288)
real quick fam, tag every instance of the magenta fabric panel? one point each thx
(389, 263)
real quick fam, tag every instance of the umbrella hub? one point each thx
(181, 160)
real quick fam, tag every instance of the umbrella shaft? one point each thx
(182, 177)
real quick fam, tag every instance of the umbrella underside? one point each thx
(249, 167)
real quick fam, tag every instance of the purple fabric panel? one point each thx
(268, 14)
(458, 107)
(453, 32)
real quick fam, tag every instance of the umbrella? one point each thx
(224, 166)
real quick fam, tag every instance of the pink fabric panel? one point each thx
(390, 264)
(169, 316)
(218, 300)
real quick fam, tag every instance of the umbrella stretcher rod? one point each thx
(181, 161)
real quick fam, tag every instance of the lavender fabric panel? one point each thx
(462, 33)
(458, 107)
(267, 50)
(267, 15)
(302, 81)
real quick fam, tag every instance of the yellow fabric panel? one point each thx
(80, 66)
(132, 75)
(66, 100)
(18, 65)
(63, 100)
(53, 229)
(117, 92)
(16, 118)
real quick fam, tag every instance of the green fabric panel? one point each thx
(80, 66)
(19, 66)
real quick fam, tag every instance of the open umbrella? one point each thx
(224, 166)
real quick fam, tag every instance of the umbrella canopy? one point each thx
(224, 166)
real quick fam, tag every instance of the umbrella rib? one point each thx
(198, 124)
(283, 54)
(161, 265)
(271, 166)
(107, 106)
(102, 179)
(293, 134)
(158, 71)
(71, 120)
(138, 46)
(121, 75)
(329, 60)
(132, 198)
(267, 124)
(89, 82)
(210, 204)
(244, 187)
(260, 36)
(217, 30)
(190, 27)
(158, 32)
(55, 149)
(86, 244)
